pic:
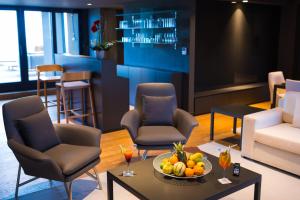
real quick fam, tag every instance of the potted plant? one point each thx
(97, 45)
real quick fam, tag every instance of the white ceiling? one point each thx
(65, 3)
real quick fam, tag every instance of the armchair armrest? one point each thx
(256, 121)
(185, 122)
(131, 122)
(78, 135)
(35, 163)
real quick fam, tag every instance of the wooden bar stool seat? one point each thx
(71, 81)
(43, 77)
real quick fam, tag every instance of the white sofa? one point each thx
(270, 137)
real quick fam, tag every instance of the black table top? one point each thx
(236, 110)
(282, 86)
(149, 184)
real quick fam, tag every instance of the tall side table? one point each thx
(236, 111)
(276, 86)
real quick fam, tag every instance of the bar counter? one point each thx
(110, 92)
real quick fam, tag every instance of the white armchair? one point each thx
(270, 137)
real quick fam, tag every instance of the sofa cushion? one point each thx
(158, 110)
(296, 120)
(289, 105)
(283, 136)
(71, 158)
(37, 131)
(158, 135)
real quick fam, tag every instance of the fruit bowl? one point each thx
(159, 160)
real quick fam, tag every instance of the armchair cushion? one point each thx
(289, 105)
(37, 131)
(283, 136)
(296, 120)
(158, 135)
(71, 158)
(158, 110)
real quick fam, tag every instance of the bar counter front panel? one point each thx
(110, 92)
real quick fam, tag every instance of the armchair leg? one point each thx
(96, 178)
(18, 183)
(51, 183)
(144, 156)
(68, 187)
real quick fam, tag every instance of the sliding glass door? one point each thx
(9, 47)
(39, 40)
(32, 37)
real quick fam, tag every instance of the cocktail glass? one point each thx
(128, 153)
(225, 161)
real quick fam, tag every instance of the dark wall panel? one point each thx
(296, 58)
(236, 43)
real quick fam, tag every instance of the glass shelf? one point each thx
(159, 43)
(137, 28)
(155, 27)
(151, 43)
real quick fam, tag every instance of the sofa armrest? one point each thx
(35, 163)
(185, 122)
(78, 134)
(256, 121)
(131, 121)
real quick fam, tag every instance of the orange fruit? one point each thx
(173, 159)
(189, 172)
(190, 163)
(198, 170)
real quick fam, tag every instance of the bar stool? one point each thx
(47, 79)
(69, 82)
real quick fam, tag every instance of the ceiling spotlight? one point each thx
(245, 1)
(89, 4)
(233, 2)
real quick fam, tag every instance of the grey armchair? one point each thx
(157, 135)
(76, 152)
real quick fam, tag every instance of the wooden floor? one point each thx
(111, 155)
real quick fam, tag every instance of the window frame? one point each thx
(25, 83)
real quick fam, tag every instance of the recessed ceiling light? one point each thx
(89, 4)
(245, 1)
(233, 2)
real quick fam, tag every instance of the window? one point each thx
(9, 48)
(30, 41)
(39, 40)
(67, 33)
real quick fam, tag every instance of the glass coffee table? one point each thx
(151, 185)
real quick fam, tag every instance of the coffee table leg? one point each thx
(234, 124)
(212, 124)
(110, 189)
(257, 189)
